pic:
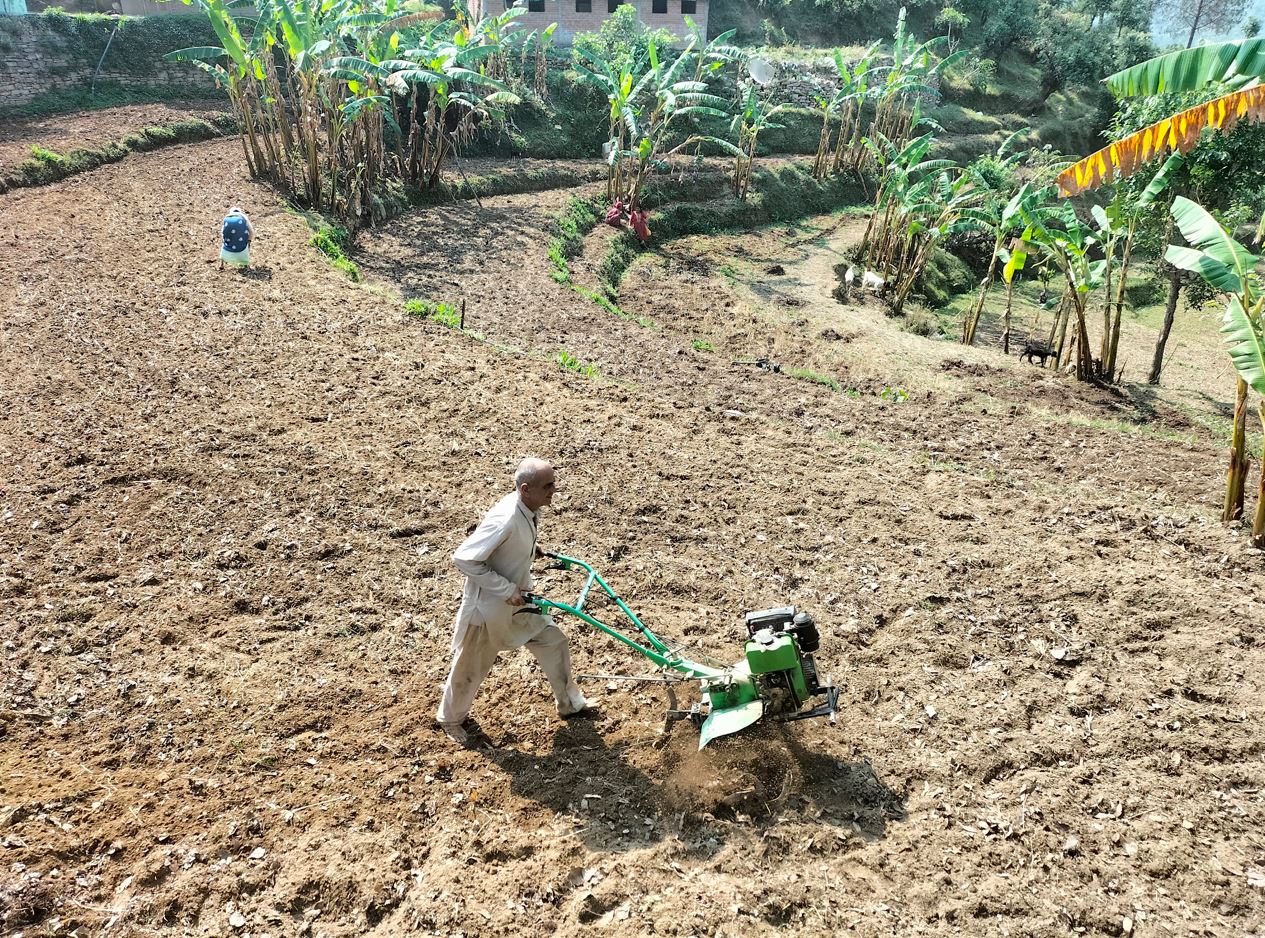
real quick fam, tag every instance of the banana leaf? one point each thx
(1236, 64)
(1178, 133)
(1245, 341)
(1230, 261)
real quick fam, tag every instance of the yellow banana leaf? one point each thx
(1178, 133)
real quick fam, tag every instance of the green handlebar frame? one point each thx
(651, 647)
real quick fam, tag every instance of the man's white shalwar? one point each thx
(496, 560)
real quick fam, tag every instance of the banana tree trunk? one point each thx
(1105, 344)
(1258, 523)
(1109, 360)
(972, 321)
(823, 148)
(1005, 328)
(1236, 476)
(1060, 327)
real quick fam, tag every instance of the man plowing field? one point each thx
(496, 560)
(777, 677)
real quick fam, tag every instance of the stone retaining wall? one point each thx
(47, 53)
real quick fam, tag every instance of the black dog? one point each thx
(1035, 348)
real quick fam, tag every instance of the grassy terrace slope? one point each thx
(229, 504)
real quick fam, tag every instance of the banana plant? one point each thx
(644, 106)
(1229, 268)
(1117, 224)
(1013, 259)
(902, 84)
(998, 213)
(754, 115)
(935, 209)
(1069, 244)
(900, 170)
(845, 107)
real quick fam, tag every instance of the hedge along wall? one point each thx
(51, 52)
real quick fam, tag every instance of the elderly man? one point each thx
(496, 560)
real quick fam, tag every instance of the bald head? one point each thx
(534, 480)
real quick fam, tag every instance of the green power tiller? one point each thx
(776, 678)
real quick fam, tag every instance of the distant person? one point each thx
(496, 560)
(639, 221)
(615, 214)
(237, 233)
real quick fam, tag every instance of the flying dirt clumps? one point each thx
(751, 773)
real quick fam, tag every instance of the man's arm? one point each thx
(472, 556)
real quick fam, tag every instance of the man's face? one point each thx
(539, 492)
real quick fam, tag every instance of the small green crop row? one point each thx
(443, 313)
(48, 166)
(334, 241)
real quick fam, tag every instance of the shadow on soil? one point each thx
(758, 779)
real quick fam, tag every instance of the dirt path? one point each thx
(228, 506)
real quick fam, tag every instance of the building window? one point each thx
(660, 6)
(584, 6)
(613, 5)
(689, 6)
(535, 6)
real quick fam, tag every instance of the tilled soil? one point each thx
(229, 503)
(91, 129)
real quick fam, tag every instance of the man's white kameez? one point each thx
(496, 559)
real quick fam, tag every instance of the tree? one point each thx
(1216, 16)
(1228, 267)
(647, 98)
(1238, 65)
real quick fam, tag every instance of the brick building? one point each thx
(587, 16)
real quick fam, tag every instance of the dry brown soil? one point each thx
(91, 129)
(227, 507)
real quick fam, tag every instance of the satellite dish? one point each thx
(760, 71)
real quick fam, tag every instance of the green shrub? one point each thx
(558, 268)
(334, 241)
(443, 313)
(945, 277)
(920, 322)
(1146, 292)
(46, 156)
(622, 38)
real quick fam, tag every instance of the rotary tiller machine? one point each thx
(776, 677)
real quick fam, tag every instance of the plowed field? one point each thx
(229, 502)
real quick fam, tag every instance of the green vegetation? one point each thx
(804, 374)
(47, 166)
(571, 363)
(701, 345)
(334, 242)
(443, 313)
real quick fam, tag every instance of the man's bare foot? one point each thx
(456, 732)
